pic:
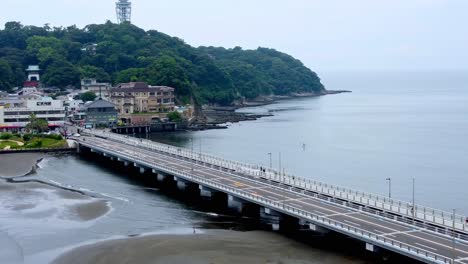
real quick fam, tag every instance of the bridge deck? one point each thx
(390, 234)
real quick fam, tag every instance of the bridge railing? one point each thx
(416, 212)
(378, 239)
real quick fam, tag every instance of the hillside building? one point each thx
(139, 97)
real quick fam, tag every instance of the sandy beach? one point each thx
(16, 165)
(28, 202)
(213, 246)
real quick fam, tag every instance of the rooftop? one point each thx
(33, 68)
(99, 103)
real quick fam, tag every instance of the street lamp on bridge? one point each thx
(389, 187)
(271, 163)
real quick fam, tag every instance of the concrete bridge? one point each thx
(425, 234)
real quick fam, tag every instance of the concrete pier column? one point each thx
(142, 169)
(161, 177)
(206, 193)
(272, 217)
(182, 184)
(312, 227)
(372, 248)
(236, 204)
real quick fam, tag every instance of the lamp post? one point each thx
(389, 187)
(414, 205)
(453, 232)
(279, 163)
(191, 154)
(271, 163)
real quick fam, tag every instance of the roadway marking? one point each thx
(421, 245)
(407, 234)
(295, 199)
(300, 206)
(254, 188)
(402, 232)
(352, 223)
(342, 214)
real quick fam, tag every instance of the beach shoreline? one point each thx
(211, 246)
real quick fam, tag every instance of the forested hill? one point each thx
(127, 53)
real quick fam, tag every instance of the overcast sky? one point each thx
(325, 34)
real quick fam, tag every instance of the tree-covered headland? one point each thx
(123, 52)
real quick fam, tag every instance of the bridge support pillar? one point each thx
(315, 228)
(372, 248)
(142, 169)
(206, 193)
(272, 217)
(236, 204)
(182, 184)
(160, 177)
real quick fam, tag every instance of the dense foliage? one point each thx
(122, 53)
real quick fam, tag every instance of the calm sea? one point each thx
(394, 125)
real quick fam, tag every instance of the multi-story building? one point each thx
(91, 85)
(98, 113)
(139, 97)
(15, 116)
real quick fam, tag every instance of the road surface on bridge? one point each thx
(418, 238)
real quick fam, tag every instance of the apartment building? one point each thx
(139, 97)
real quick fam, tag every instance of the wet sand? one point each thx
(214, 246)
(16, 165)
(31, 199)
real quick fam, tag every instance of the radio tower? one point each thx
(124, 11)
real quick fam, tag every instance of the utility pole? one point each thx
(271, 163)
(389, 187)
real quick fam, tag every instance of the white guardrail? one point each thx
(291, 210)
(422, 213)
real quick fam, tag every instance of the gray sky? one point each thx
(325, 34)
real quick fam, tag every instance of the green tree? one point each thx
(37, 125)
(89, 71)
(131, 75)
(174, 116)
(127, 53)
(61, 74)
(7, 77)
(88, 96)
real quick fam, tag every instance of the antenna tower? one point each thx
(124, 11)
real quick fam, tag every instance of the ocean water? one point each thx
(393, 125)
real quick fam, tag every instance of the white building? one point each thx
(91, 85)
(16, 118)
